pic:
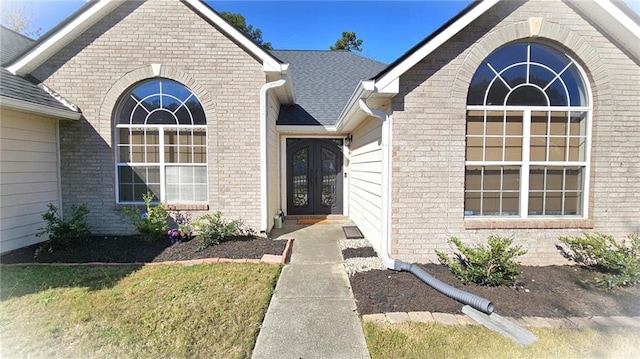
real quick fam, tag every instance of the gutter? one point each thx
(470, 299)
(43, 110)
(264, 176)
(364, 89)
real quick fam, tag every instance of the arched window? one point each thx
(161, 138)
(527, 137)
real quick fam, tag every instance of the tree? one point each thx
(349, 42)
(18, 16)
(240, 23)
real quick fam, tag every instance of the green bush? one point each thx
(213, 229)
(151, 223)
(491, 265)
(618, 261)
(60, 232)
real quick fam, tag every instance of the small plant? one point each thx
(618, 261)
(60, 232)
(213, 229)
(150, 223)
(183, 233)
(491, 265)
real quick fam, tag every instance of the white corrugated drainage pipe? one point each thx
(472, 300)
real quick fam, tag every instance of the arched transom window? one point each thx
(527, 137)
(161, 144)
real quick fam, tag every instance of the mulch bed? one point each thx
(128, 249)
(547, 291)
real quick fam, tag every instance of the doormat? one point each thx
(313, 221)
(352, 232)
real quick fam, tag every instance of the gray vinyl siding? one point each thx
(28, 176)
(365, 180)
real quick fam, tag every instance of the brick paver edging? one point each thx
(266, 259)
(532, 322)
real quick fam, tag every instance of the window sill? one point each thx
(537, 223)
(186, 207)
(169, 207)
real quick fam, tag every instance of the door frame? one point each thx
(283, 169)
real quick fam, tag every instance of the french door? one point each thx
(314, 176)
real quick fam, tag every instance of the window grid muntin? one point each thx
(161, 164)
(501, 191)
(570, 66)
(140, 103)
(583, 148)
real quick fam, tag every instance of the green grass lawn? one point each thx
(201, 311)
(420, 340)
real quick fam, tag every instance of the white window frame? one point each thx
(525, 164)
(161, 164)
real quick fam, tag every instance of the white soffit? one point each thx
(614, 21)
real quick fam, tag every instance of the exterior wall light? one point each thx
(348, 140)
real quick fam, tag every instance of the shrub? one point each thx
(491, 265)
(213, 229)
(150, 223)
(618, 261)
(58, 231)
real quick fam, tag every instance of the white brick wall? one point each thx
(429, 135)
(94, 70)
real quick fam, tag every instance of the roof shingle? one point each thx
(323, 83)
(16, 87)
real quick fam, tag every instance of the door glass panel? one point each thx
(300, 177)
(329, 171)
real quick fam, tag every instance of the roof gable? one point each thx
(61, 35)
(432, 42)
(613, 17)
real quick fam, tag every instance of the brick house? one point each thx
(514, 118)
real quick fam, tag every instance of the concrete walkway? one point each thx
(312, 312)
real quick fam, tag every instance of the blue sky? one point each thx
(388, 28)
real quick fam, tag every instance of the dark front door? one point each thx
(314, 176)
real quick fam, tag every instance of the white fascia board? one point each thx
(619, 15)
(38, 109)
(435, 43)
(269, 63)
(41, 53)
(364, 89)
(351, 115)
(308, 130)
(614, 21)
(290, 97)
(392, 87)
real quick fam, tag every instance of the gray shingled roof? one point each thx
(16, 87)
(11, 44)
(323, 81)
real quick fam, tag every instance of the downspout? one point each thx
(472, 300)
(264, 176)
